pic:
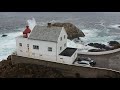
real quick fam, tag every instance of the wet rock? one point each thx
(100, 46)
(72, 30)
(9, 57)
(3, 35)
(112, 43)
(97, 45)
(96, 50)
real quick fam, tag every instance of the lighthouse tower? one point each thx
(26, 32)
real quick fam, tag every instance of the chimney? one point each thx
(49, 24)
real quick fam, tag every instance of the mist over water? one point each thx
(99, 27)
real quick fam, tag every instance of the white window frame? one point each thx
(50, 49)
(60, 48)
(20, 44)
(36, 47)
(60, 38)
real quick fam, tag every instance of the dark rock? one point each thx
(4, 35)
(97, 45)
(9, 57)
(95, 50)
(100, 46)
(72, 30)
(112, 43)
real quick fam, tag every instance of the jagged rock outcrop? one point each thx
(72, 30)
(112, 43)
(100, 46)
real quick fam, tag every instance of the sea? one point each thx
(98, 27)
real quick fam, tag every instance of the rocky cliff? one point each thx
(72, 30)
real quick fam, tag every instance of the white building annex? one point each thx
(45, 43)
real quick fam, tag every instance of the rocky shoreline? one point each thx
(101, 47)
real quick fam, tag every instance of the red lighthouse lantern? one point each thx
(26, 32)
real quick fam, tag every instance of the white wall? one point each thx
(67, 59)
(61, 43)
(42, 53)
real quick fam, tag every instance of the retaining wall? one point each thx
(70, 70)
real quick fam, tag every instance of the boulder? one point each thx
(97, 45)
(100, 46)
(72, 30)
(3, 35)
(112, 43)
(96, 50)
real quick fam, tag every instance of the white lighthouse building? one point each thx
(45, 43)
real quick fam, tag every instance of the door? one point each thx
(28, 50)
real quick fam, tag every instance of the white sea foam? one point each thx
(81, 47)
(8, 44)
(116, 26)
(31, 23)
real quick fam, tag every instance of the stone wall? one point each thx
(70, 70)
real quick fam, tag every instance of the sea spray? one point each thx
(31, 23)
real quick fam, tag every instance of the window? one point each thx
(61, 38)
(75, 55)
(60, 48)
(65, 45)
(35, 47)
(20, 44)
(49, 49)
(64, 36)
(28, 45)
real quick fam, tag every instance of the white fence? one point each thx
(99, 53)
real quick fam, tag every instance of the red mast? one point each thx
(26, 31)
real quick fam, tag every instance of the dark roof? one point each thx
(45, 33)
(68, 52)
